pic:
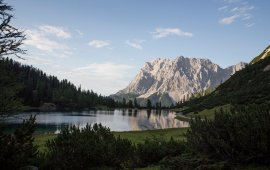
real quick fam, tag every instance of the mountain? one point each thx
(250, 85)
(263, 55)
(170, 81)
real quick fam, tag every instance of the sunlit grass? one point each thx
(134, 136)
(209, 113)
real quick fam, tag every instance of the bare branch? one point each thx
(10, 37)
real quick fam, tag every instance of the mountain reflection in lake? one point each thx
(117, 120)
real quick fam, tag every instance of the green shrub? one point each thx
(17, 150)
(155, 149)
(192, 162)
(239, 135)
(90, 147)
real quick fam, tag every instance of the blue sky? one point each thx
(102, 44)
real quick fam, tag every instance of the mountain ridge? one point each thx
(248, 86)
(173, 80)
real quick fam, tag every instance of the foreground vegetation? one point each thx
(135, 137)
(237, 138)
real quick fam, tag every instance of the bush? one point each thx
(239, 135)
(17, 150)
(155, 149)
(88, 148)
(190, 162)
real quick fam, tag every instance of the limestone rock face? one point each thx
(169, 81)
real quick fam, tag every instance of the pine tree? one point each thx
(124, 103)
(135, 103)
(149, 104)
(130, 104)
(17, 150)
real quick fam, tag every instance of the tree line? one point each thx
(29, 86)
(33, 87)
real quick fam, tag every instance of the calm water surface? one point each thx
(117, 120)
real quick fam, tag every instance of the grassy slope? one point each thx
(139, 136)
(134, 136)
(256, 59)
(209, 113)
(248, 86)
(40, 140)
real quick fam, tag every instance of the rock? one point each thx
(267, 68)
(30, 167)
(48, 107)
(171, 81)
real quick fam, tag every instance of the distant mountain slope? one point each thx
(170, 81)
(263, 55)
(248, 86)
(34, 88)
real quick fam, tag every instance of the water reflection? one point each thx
(148, 114)
(129, 112)
(117, 120)
(135, 113)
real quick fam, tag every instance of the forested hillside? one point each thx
(34, 88)
(248, 86)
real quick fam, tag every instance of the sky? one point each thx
(102, 44)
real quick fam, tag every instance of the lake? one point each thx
(117, 120)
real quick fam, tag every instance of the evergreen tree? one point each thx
(10, 41)
(17, 150)
(240, 135)
(34, 88)
(9, 102)
(148, 104)
(158, 105)
(91, 147)
(130, 104)
(124, 103)
(135, 103)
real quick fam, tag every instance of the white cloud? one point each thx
(246, 17)
(250, 25)
(105, 78)
(57, 31)
(164, 32)
(237, 10)
(79, 32)
(35, 60)
(46, 40)
(104, 70)
(135, 44)
(228, 20)
(232, 1)
(223, 8)
(40, 41)
(99, 43)
(242, 9)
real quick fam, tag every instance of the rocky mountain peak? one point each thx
(173, 80)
